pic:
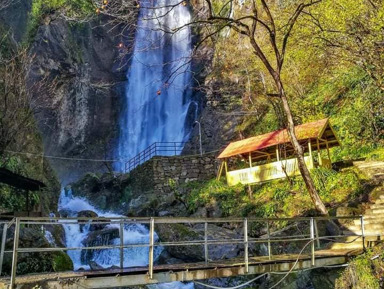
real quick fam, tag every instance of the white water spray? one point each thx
(75, 237)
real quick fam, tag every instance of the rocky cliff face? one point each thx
(82, 62)
(218, 125)
(14, 16)
(13, 28)
(80, 117)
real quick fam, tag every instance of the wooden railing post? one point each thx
(362, 231)
(3, 240)
(151, 246)
(312, 233)
(14, 255)
(317, 235)
(121, 244)
(206, 242)
(246, 245)
(269, 242)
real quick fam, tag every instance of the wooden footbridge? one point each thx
(302, 244)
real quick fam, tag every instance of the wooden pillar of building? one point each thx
(310, 148)
(277, 153)
(220, 171)
(310, 152)
(319, 153)
(223, 165)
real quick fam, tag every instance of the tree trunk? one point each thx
(299, 152)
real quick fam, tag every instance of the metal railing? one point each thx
(307, 233)
(155, 149)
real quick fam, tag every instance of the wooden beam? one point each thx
(220, 171)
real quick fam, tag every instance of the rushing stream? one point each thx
(75, 236)
(155, 110)
(133, 234)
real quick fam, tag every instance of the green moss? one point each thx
(12, 199)
(184, 232)
(376, 154)
(62, 262)
(127, 195)
(364, 272)
(209, 192)
(42, 8)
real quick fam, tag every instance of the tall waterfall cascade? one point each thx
(155, 109)
(157, 97)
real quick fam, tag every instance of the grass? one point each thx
(364, 272)
(279, 198)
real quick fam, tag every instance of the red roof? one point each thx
(311, 130)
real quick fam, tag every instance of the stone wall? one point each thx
(156, 174)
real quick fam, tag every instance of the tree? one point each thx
(351, 31)
(18, 99)
(256, 21)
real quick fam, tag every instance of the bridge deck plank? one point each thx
(33, 278)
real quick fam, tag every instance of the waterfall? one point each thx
(155, 108)
(157, 97)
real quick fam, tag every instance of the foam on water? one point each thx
(133, 234)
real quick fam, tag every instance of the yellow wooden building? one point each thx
(270, 156)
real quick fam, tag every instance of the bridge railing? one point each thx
(305, 230)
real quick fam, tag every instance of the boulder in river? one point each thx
(193, 253)
(98, 238)
(91, 226)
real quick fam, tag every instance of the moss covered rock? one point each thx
(364, 272)
(33, 237)
(98, 238)
(62, 262)
(180, 232)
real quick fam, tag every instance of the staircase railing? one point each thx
(155, 149)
